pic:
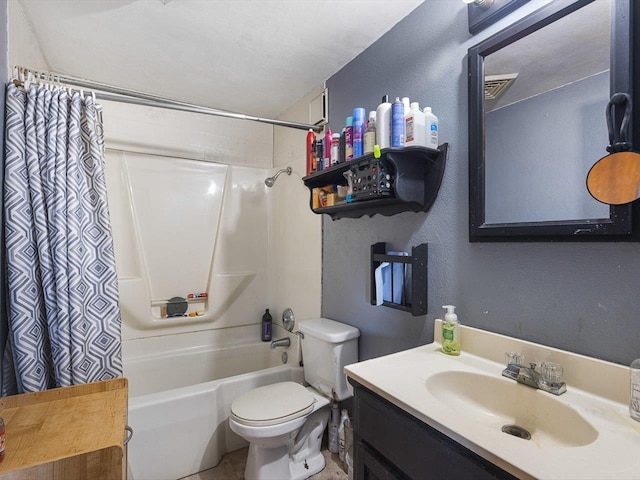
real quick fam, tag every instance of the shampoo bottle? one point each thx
(634, 403)
(450, 332)
(266, 326)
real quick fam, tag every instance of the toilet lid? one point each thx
(272, 404)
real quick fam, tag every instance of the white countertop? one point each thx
(596, 390)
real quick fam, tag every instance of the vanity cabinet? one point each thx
(416, 177)
(389, 443)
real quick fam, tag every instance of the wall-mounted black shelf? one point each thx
(418, 175)
(418, 282)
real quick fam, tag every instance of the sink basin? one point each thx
(497, 401)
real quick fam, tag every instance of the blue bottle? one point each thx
(397, 123)
(358, 131)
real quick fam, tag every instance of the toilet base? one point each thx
(297, 458)
(275, 464)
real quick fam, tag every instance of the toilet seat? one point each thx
(272, 404)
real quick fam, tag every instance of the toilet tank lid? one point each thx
(329, 330)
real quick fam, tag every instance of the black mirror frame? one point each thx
(624, 220)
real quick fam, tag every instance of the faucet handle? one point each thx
(513, 358)
(552, 373)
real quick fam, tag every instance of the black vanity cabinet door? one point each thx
(390, 444)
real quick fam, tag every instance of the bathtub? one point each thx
(180, 396)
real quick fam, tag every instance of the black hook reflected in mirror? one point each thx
(615, 179)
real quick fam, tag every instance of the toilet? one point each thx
(284, 422)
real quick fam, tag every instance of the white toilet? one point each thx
(284, 422)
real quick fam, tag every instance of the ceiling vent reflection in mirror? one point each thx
(496, 85)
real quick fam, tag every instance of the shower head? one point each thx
(269, 182)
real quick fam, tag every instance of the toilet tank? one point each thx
(327, 347)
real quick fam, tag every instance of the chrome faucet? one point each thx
(281, 342)
(549, 381)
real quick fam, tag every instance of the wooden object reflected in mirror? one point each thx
(615, 179)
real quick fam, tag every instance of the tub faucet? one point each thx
(281, 342)
(550, 381)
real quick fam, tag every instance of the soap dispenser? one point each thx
(450, 331)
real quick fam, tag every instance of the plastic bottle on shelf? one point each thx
(334, 424)
(358, 131)
(348, 139)
(431, 128)
(311, 138)
(335, 148)
(383, 123)
(342, 147)
(414, 126)
(397, 123)
(370, 134)
(326, 159)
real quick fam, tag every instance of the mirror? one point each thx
(538, 91)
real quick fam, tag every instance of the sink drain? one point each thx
(516, 431)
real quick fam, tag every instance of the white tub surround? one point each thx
(583, 433)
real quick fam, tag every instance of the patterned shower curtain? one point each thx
(64, 320)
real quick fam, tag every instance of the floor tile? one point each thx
(231, 467)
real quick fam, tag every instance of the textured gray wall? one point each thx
(582, 297)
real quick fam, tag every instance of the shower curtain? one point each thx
(63, 315)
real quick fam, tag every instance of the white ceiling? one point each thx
(251, 56)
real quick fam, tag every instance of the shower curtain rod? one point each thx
(117, 94)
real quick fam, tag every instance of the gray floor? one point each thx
(231, 467)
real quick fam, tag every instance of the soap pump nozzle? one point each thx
(450, 316)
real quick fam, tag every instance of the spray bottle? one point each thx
(450, 332)
(383, 123)
(397, 123)
(311, 140)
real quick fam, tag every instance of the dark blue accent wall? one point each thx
(582, 297)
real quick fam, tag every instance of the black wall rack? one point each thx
(419, 172)
(418, 282)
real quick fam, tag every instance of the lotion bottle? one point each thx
(450, 332)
